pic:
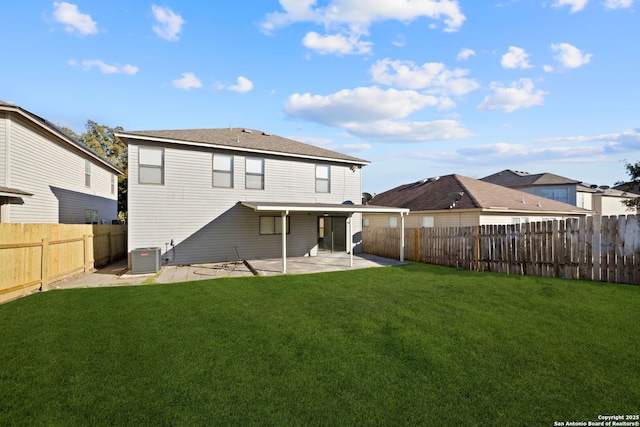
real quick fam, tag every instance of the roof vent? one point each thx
(266, 133)
(246, 130)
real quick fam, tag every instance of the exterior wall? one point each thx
(55, 176)
(460, 219)
(208, 224)
(584, 200)
(538, 191)
(611, 205)
(4, 120)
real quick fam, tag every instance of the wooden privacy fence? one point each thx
(592, 248)
(34, 255)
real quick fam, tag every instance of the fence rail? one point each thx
(34, 255)
(592, 248)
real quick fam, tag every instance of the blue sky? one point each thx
(420, 88)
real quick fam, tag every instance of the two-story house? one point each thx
(48, 177)
(207, 195)
(601, 199)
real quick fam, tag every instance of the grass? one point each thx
(412, 345)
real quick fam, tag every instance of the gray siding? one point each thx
(55, 176)
(207, 223)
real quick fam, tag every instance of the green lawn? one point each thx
(412, 345)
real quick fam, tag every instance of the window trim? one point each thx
(142, 166)
(254, 174)
(215, 171)
(277, 221)
(87, 173)
(320, 180)
(113, 184)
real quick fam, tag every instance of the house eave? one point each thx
(124, 136)
(52, 129)
(321, 208)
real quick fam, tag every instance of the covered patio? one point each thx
(327, 209)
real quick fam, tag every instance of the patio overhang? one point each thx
(13, 192)
(326, 208)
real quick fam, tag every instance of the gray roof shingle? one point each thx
(433, 194)
(514, 179)
(242, 139)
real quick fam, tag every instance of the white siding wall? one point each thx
(611, 205)
(3, 148)
(208, 224)
(56, 178)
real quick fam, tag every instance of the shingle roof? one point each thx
(242, 139)
(513, 179)
(433, 194)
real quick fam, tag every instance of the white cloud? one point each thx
(515, 58)
(169, 24)
(360, 105)
(432, 76)
(336, 43)
(548, 68)
(399, 131)
(520, 94)
(570, 56)
(188, 81)
(465, 54)
(354, 17)
(576, 5)
(373, 113)
(618, 4)
(68, 14)
(104, 67)
(243, 85)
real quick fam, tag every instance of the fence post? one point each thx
(85, 241)
(44, 265)
(596, 249)
(476, 247)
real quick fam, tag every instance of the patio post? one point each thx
(401, 237)
(350, 238)
(284, 241)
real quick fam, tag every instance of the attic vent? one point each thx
(266, 133)
(246, 130)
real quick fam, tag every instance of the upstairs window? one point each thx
(87, 173)
(323, 179)
(557, 194)
(113, 184)
(223, 170)
(254, 173)
(393, 222)
(151, 165)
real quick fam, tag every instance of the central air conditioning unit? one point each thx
(145, 260)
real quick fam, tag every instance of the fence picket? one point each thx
(592, 248)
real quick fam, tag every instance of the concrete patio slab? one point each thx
(118, 274)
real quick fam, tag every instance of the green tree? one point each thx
(102, 140)
(633, 170)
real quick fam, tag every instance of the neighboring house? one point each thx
(602, 200)
(206, 195)
(48, 177)
(458, 201)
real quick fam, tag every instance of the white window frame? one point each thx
(222, 168)
(270, 225)
(151, 166)
(251, 173)
(113, 184)
(428, 222)
(87, 173)
(393, 222)
(91, 216)
(323, 179)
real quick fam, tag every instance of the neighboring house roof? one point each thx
(240, 139)
(514, 179)
(13, 192)
(436, 194)
(633, 188)
(55, 131)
